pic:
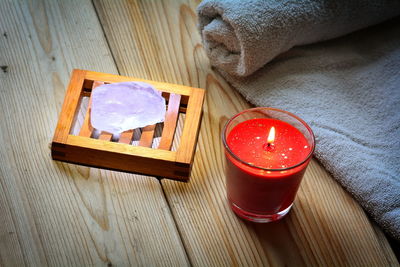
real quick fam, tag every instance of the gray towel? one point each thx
(240, 36)
(347, 89)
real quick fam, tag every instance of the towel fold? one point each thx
(242, 36)
(347, 89)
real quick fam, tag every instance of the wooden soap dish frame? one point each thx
(160, 162)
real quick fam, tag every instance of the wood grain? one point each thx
(159, 40)
(55, 213)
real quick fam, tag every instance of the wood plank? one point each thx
(55, 213)
(171, 118)
(159, 40)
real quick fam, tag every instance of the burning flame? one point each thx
(271, 136)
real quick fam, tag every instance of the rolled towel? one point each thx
(241, 36)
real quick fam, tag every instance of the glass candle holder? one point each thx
(267, 151)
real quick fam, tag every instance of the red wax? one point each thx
(257, 190)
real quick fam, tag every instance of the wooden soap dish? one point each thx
(106, 152)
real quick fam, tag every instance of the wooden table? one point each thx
(54, 213)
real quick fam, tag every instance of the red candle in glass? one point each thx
(267, 152)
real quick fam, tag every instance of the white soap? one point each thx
(119, 107)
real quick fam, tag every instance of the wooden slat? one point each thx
(147, 133)
(165, 87)
(171, 118)
(87, 129)
(114, 155)
(58, 214)
(105, 136)
(71, 104)
(121, 148)
(326, 226)
(146, 138)
(188, 143)
(126, 137)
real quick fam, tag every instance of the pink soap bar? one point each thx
(119, 107)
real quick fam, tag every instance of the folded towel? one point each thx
(347, 89)
(240, 36)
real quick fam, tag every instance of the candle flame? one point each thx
(271, 135)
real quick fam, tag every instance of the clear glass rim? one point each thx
(273, 109)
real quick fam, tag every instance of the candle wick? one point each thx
(269, 146)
